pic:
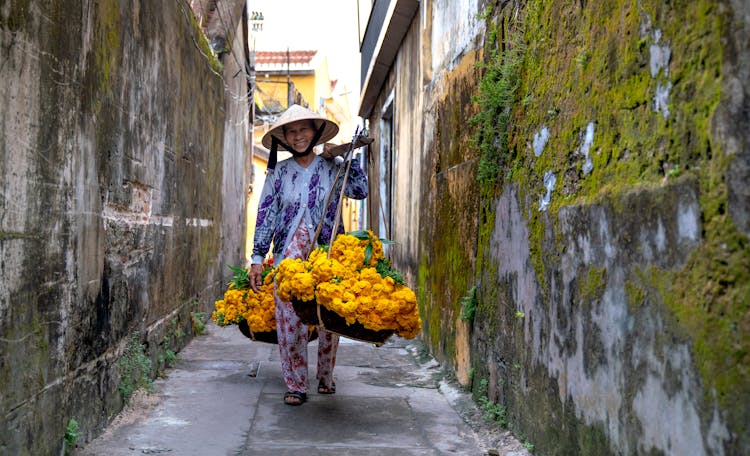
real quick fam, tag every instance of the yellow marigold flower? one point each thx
(365, 303)
(316, 254)
(288, 267)
(348, 296)
(303, 286)
(348, 250)
(218, 317)
(327, 290)
(341, 282)
(410, 332)
(383, 306)
(285, 291)
(323, 269)
(377, 248)
(370, 275)
(374, 322)
(257, 309)
(361, 287)
(342, 270)
(348, 310)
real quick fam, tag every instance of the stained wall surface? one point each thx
(118, 139)
(576, 174)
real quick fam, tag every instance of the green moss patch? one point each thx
(590, 63)
(711, 301)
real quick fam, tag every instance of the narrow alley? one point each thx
(224, 397)
(547, 201)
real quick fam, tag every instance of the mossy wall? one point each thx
(585, 165)
(111, 220)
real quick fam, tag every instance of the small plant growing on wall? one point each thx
(170, 343)
(491, 411)
(198, 323)
(497, 94)
(169, 357)
(72, 433)
(135, 368)
(469, 305)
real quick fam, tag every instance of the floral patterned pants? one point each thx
(293, 334)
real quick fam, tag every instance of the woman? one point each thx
(291, 207)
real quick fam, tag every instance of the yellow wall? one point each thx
(253, 197)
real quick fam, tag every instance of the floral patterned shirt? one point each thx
(292, 195)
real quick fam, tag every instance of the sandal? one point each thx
(323, 389)
(295, 398)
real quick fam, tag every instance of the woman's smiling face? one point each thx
(299, 134)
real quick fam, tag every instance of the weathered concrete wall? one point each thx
(237, 156)
(112, 221)
(604, 226)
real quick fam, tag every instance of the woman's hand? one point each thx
(255, 278)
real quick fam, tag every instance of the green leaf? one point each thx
(72, 433)
(240, 279)
(368, 253)
(384, 269)
(362, 235)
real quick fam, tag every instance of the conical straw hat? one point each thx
(293, 114)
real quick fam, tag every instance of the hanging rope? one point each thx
(348, 160)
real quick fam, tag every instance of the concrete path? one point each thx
(224, 397)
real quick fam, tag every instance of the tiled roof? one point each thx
(279, 57)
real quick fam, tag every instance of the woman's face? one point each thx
(299, 134)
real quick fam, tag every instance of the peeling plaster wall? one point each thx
(611, 255)
(618, 364)
(114, 155)
(451, 38)
(732, 116)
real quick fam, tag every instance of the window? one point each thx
(386, 170)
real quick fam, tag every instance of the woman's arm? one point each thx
(265, 225)
(268, 212)
(331, 150)
(356, 184)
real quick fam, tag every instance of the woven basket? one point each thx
(268, 336)
(312, 313)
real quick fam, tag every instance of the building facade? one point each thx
(560, 178)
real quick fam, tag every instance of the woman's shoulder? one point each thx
(328, 163)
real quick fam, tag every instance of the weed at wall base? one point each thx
(72, 433)
(198, 322)
(135, 368)
(491, 411)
